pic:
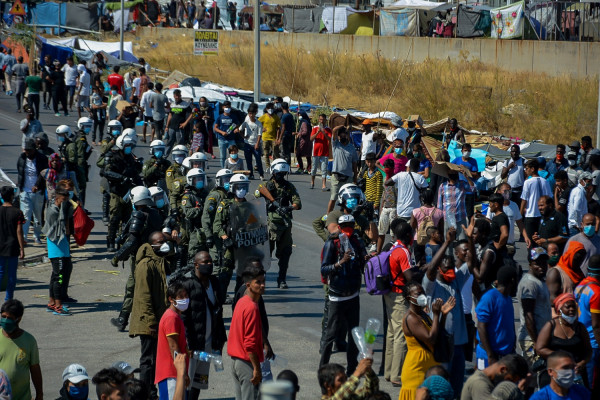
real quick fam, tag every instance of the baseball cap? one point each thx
(536, 253)
(345, 219)
(367, 121)
(29, 144)
(575, 144)
(75, 373)
(125, 367)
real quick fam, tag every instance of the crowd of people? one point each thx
(439, 254)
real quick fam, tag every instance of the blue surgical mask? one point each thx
(351, 203)
(116, 133)
(8, 325)
(87, 129)
(241, 193)
(199, 184)
(589, 230)
(397, 150)
(233, 156)
(127, 150)
(226, 186)
(160, 203)
(79, 393)
(179, 159)
(71, 194)
(61, 139)
(158, 154)
(113, 92)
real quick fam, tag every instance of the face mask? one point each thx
(79, 393)
(178, 159)
(127, 150)
(589, 230)
(553, 260)
(565, 377)
(233, 156)
(449, 275)
(411, 130)
(389, 172)
(241, 193)
(164, 249)
(160, 203)
(199, 185)
(506, 195)
(560, 157)
(205, 269)
(270, 111)
(116, 133)
(570, 320)
(226, 186)
(8, 325)
(61, 139)
(397, 150)
(227, 110)
(182, 304)
(71, 194)
(351, 204)
(158, 154)
(466, 154)
(113, 92)
(87, 129)
(202, 104)
(572, 163)
(347, 230)
(417, 155)
(421, 300)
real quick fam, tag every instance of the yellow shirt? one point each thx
(16, 357)
(271, 125)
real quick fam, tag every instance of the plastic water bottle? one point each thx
(451, 218)
(371, 330)
(428, 254)
(346, 245)
(215, 359)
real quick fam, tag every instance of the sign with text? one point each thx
(206, 43)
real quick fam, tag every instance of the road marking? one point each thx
(311, 331)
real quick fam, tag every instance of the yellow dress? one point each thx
(418, 360)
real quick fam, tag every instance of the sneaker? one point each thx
(283, 285)
(50, 308)
(66, 114)
(299, 172)
(262, 178)
(57, 115)
(64, 311)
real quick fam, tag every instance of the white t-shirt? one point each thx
(408, 195)
(113, 113)
(85, 81)
(515, 175)
(512, 212)
(70, 74)
(251, 131)
(136, 84)
(533, 189)
(30, 175)
(368, 145)
(145, 103)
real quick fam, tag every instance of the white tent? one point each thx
(108, 47)
(414, 4)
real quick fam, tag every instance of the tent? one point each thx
(335, 19)
(362, 23)
(18, 49)
(472, 21)
(112, 48)
(303, 20)
(508, 22)
(414, 5)
(402, 22)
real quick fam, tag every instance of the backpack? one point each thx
(427, 222)
(377, 273)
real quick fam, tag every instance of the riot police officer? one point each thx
(285, 199)
(144, 220)
(122, 172)
(84, 151)
(192, 204)
(155, 169)
(67, 148)
(175, 178)
(107, 146)
(214, 243)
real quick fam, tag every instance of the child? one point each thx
(435, 242)
(387, 207)
(98, 104)
(233, 162)
(197, 139)
(374, 181)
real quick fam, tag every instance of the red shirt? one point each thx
(400, 261)
(399, 163)
(245, 331)
(170, 324)
(320, 144)
(116, 80)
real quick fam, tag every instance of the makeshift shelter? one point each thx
(174, 79)
(407, 17)
(18, 49)
(362, 23)
(302, 19)
(335, 19)
(68, 15)
(472, 21)
(508, 22)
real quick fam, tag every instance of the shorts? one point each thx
(337, 181)
(321, 162)
(148, 119)
(160, 124)
(83, 101)
(386, 216)
(70, 90)
(166, 388)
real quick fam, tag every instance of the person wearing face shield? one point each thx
(155, 168)
(562, 371)
(82, 153)
(286, 200)
(192, 206)
(345, 163)
(175, 177)
(205, 311)
(150, 302)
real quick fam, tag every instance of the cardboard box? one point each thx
(441, 168)
(121, 104)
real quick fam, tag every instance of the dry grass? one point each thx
(554, 109)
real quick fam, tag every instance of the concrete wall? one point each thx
(580, 59)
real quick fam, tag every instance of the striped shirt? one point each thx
(374, 186)
(451, 199)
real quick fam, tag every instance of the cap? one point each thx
(346, 218)
(571, 154)
(536, 253)
(367, 121)
(585, 175)
(75, 373)
(125, 367)
(575, 144)
(29, 144)
(396, 121)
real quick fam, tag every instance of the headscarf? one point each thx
(566, 262)
(439, 388)
(5, 388)
(51, 178)
(560, 300)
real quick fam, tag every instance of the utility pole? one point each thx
(256, 51)
(121, 33)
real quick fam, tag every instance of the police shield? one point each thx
(249, 231)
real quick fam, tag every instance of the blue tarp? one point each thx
(48, 14)
(477, 154)
(56, 53)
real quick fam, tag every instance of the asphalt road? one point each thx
(88, 338)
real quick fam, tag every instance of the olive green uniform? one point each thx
(175, 183)
(192, 204)
(211, 204)
(220, 228)
(155, 170)
(280, 226)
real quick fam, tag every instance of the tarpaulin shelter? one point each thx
(472, 21)
(68, 15)
(508, 22)
(18, 49)
(362, 23)
(302, 19)
(335, 19)
(407, 17)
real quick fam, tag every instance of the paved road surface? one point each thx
(88, 338)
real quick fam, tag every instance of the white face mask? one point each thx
(182, 304)
(506, 195)
(466, 154)
(571, 163)
(570, 320)
(227, 110)
(270, 111)
(241, 193)
(421, 300)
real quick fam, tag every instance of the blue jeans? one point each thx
(593, 371)
(249, 152)
(223, 145)
(32, 205)
(8, 265)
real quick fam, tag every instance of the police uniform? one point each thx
(175, 181)
(107, 148)
(221, 227)
(192, 204)
(280, 226)
(155, 170)
(212, 202)
(79, 157)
